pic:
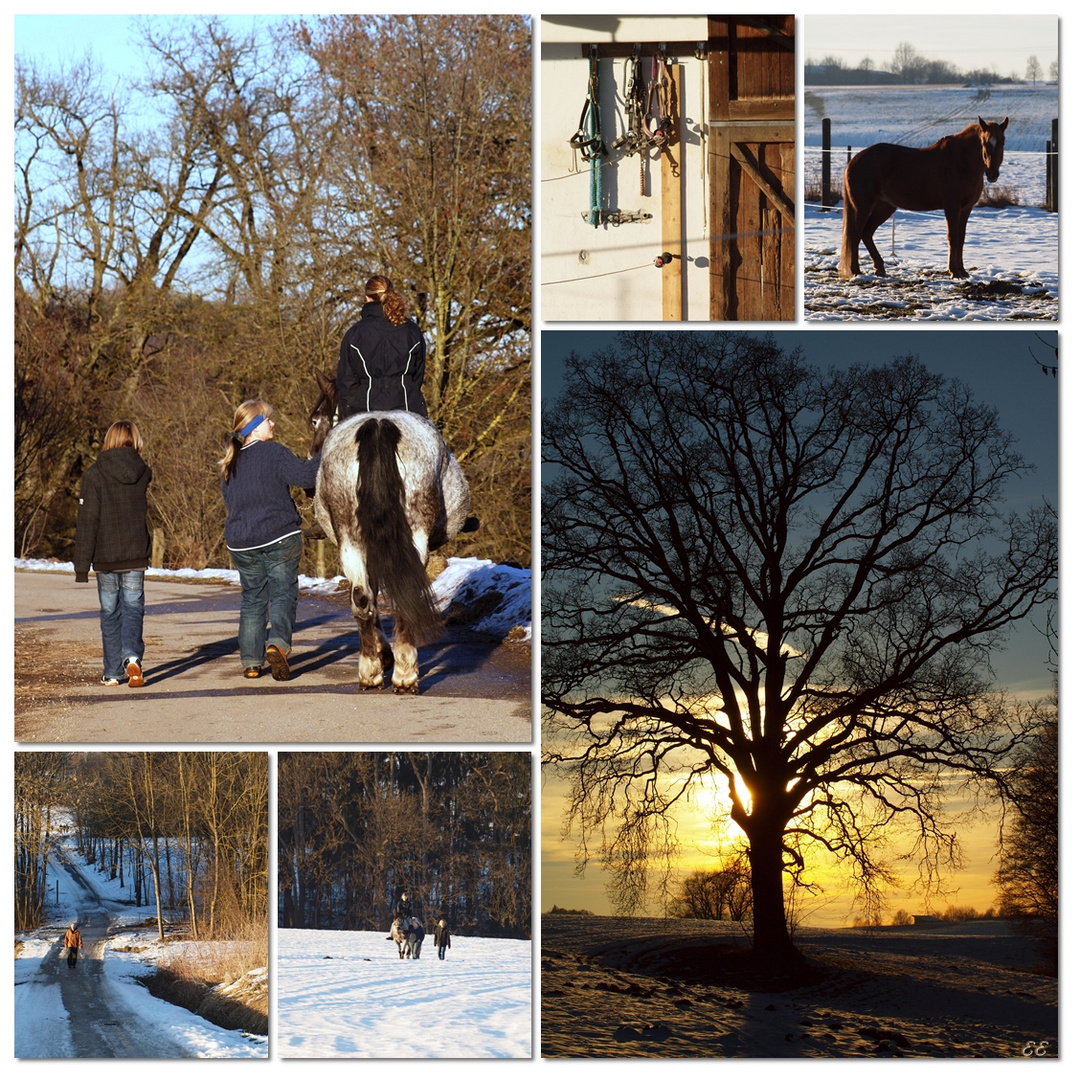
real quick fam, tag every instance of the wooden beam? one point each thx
(673, 275)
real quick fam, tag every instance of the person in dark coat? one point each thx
(262, 533)
(111, 536)
(442, 939)
(73, 943)
(383, 356)
(403, 910)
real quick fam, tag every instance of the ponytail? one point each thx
(395, 306)
(234, 441)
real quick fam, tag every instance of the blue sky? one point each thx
(57, 39)
(999, 365)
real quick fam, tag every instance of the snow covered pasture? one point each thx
(1011, 252)
(346, 994)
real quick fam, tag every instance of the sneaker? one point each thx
(108, 680)
(278, 661)
(252, 672)
(134, 673)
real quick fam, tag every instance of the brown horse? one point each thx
(945, 176)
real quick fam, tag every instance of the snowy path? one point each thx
(97, 1009)
(346, 994)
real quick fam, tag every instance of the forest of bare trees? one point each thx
(184, 831)
(200, 232)
(451, 829)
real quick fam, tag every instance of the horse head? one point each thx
(324, 414)
(992, 142)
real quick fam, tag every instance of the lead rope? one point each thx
(589, 139)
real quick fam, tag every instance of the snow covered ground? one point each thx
(43, 1027)
(1010, 252)
(626, 988)
(346, 994)
(462, 583)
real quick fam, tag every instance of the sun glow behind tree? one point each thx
(830, 553)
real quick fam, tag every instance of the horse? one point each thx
(407, 935)
(388, 491)
(948, 175)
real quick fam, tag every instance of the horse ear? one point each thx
(327, 384)
(1004, 123)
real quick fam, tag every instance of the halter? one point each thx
(589, 140)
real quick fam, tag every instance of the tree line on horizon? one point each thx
(452, 830)
(909, 67)
(185, 832)
(200, 233)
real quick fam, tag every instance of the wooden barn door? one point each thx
(751, 144)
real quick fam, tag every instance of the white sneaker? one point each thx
(107, 681)
(134, 672)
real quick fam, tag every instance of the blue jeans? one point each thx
(442, 952)
(120, 596)
(268, 581)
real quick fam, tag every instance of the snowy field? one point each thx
(461, 583)
(645, 988)
(346, 994)
(42, 1028)
(1010, 252)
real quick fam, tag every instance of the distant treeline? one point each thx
(908, 67)
(453, 830)
(200, 232)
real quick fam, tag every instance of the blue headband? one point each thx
(250, 426)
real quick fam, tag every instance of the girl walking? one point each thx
(111, 536)
(262, 533)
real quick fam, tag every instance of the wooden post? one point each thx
(157, 549)
(826, 164)
(320, 559)
(673, 275)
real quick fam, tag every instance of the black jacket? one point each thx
(442, 936)
(110, 532)
(381, 366)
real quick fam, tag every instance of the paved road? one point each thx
(100, 1021)
(472, 690)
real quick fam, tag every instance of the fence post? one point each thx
(157, 549)
(826, 164)
(1052, 168)
(320, 559)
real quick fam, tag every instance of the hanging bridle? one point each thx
(588, 138)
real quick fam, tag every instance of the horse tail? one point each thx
(849, 240)
(390, 556)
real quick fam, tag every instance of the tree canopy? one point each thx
(200, 232)
(790, 577)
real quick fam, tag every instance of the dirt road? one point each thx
(472, 690)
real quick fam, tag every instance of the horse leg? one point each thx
(880, 212)
(372, 639)
(406, 677)
(956, 219)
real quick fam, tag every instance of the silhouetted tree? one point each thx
(791, 577)
(1027, 878)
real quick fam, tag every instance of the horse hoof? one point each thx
(413, 689)
(371, 686)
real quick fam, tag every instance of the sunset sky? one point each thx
(1003, 366)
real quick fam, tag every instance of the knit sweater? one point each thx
(258, 500)
(110, 531)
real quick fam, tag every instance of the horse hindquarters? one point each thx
(392, 561)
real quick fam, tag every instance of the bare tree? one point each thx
(716, 894)
(1027, 878)
(789, 577)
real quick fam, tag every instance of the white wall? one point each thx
(607, 273)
